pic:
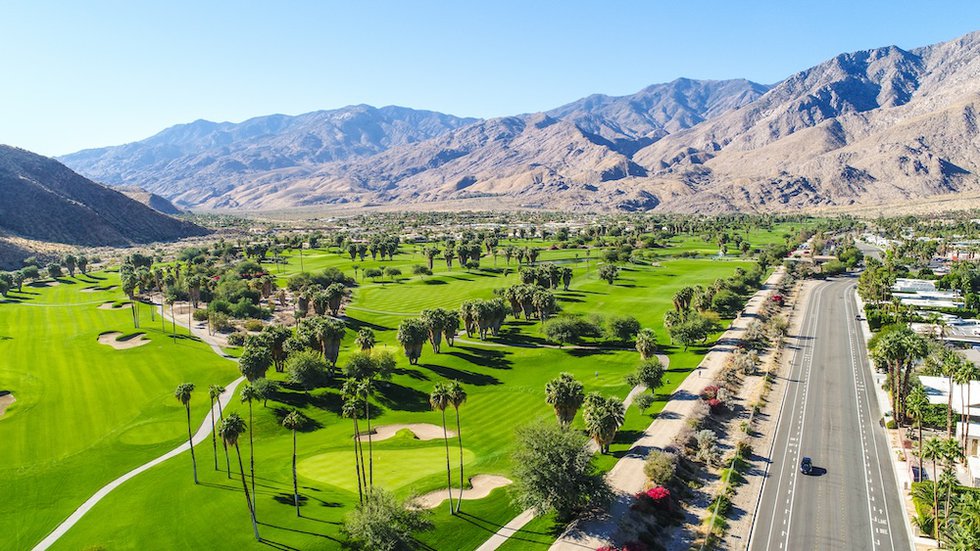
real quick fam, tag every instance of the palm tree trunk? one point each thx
(459, 440)
(920, 444)
(214, 436)
(966, 426)
(221, 415)
(357, 465)
(367, 414)
(360, 451)
(132, 305)
(449, 474)
(251, 450)
(935, 501)
(295, 483)
(248, 499)
(949, 408)
(190, 440)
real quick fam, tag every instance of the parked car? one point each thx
(806, 466)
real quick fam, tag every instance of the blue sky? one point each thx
(96, 73)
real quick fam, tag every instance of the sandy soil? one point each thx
(109, 306)
(422, 431)
(98, 289)
(482, 484)
(113, 339)
(5, 402)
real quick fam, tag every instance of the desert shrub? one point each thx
(253, 325)
(644, 401)
(236, 339)
(660, 467)
(200, 315)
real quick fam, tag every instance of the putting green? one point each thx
(393, 468)
(152, 433)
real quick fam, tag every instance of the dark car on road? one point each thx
(806, 466)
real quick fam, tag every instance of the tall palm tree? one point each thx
(215, 392)
(457, 397)
(916, 403)
(566, 395)
(365, 339)
(951, 454)
(603, 417)
(294, 421)
(249, 394)
(962, 377)
(183, 395)
(231, 429)
(933, 451)
(351, 410)
(439, 399)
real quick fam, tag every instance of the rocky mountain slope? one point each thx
(43, 200)
(151, 200)
(870, 127)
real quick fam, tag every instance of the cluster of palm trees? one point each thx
(442, 397)
(547, 275)
(531, 300)
(602, 415)
(945, 451)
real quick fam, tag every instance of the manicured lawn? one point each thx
(85, 413)
(129, 395)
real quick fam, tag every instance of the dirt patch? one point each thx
(482, 485)
(6, 398)
(119, 341)
(422, 431)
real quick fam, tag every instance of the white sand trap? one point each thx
(111, 306)
(422, 431)
(113, 339)
(90, 290)
(482, 484)
(5, 402)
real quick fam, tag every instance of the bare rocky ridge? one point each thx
(864, 128)
(151, 200)
(43, 200)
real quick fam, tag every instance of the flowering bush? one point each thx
(710, 392)
(658, 493)
(715, 404)
(778, 299)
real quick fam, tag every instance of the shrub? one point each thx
(570, 329)
(716, 405)
(709, 392)
(253, 325)
(200, 315)
(623, 328)
(236, 339)
(644, 401)
(660, 467)
(381, 522)
(891, 424)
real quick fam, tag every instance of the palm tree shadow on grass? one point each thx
(287, 499)
(309, 424)
(298, 531)
(356, 325)
(401, 398)
(494, 359)
(413, 373)
(465, 377)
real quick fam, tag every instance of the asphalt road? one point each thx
(850, 501)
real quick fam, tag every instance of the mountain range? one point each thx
(43, 200)
(872, 127)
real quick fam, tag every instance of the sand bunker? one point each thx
(5, 402)
(422, 431)
(45, 284)
(98, 289)
(482, 484)
(118, 341)
(111, 306)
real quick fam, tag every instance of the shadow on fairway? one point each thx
(434, 282)
(465, 377)
(356, 324)
(401, 398)
(494, 359)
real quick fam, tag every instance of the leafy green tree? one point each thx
(71, 262)
(264, 389)
(565, 395)
(231, 429)
(294, 421)
(603, 416)
(609, 273)
(440, 398)
(380, 523)
(623, 328)
(256, 359)
(457, 397)
(650, 373)
(554, 472)
(183, 395)
(306, 369)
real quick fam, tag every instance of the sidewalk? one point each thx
(627, 477)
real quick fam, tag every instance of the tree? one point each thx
(381, 523)
(646, 343)
(608, 273)
(231, 429)
(83, 264)
(916, 404)
(249, 395)
(255, 359)
(215, 392)
(436, 321)
(275, 339)
(264, 389)
(650, 373)
(898, 349)
(294, 421)
(412, 334)
(306, 369)
(554, 472)
(623, 328)
(440, 398)
(353, 404)
(603, 417)
(707, 446)
(570, 329)
(726, 303)
(335, 294)
(457, 397)
(70, 261)
(365, 339)
(565, 395)
(966, 372)
(183, 395)
(933, 451)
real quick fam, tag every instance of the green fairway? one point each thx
(131, 415)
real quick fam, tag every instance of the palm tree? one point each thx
(646, 343)
(457, 397)
(351, 410)
(215, 392)
(566, 395)
(603, 417)
(293, 421)
(365, 339)
(951, 453)
(933, 451)
(231, 429)
(249, 394)
(183, 395)
(439, 399)
(965, 373)
(916, 403)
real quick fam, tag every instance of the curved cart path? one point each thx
(200, 436)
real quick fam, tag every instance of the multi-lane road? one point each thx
(850, 501)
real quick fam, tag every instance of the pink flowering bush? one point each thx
(710, 392)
